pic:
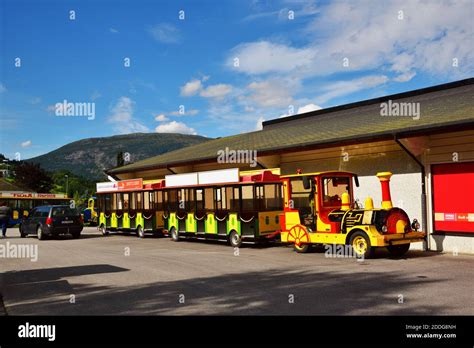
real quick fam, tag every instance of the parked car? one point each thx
(51, 221)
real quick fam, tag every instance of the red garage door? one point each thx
(453, 197)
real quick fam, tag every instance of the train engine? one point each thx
(319, 208)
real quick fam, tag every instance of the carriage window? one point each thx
(147, 200)
(125, 201)
(209, 199)
(119, 201)
(181, 199)
(221, 201)
(189, 206)
(108, 202)
(333, 189)
(159, 200)
(114, 201)
(133, 201)
(300, 196)
(172, 199)
(273, 200)
(139, 196)
(199, 199)
(248, 202)
(230, 201)
(259, 198)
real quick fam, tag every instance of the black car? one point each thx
(51, 221)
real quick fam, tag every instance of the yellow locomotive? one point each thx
(319, 208)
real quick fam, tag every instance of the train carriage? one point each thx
(224, 205)
(131, 206)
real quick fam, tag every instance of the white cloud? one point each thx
(122, 117)
(26, 144)
(216, 91)
(265, 57)
(161, 118)
(191, 88)
(259, 125)
(185, 112)
(270, 93)
(95, 95)
(113, 30)
(175, 127)
(2, 88)
(342, 88)
(427, 40)
(308, 108)
(407, 76)
(165, 33)
(35, 100)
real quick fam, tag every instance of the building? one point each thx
(425, 137)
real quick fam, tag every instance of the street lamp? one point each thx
(67, 183)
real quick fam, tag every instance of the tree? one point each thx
(120, 160)
(32, 176)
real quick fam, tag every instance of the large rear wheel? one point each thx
(398, 250)
(360, 244)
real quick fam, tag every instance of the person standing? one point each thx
(5, 213)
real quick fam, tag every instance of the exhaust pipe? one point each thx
(384, 178)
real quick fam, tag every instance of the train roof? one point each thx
(318, 173)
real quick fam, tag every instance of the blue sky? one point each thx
(293, 56)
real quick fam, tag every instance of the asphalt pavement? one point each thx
(126, 275)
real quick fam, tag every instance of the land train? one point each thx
(302, 209)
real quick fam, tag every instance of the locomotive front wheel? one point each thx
(360, 244)
(398, 250)
(300, 237)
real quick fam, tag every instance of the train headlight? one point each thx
(415, 225)
(384, 229)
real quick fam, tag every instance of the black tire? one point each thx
(140, 232)
(103, 229)
(303, 248)
(22, 234)
(174, 235)
(398, 250)
(356, 242)
(235, 240)
(40, 233)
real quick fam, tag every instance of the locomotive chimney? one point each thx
(384, 178)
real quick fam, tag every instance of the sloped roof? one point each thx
(447, 106)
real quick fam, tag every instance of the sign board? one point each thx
(124, 185)
(32, 195)
(218, 176)
(132, 184)
(186, 179)
(106, 186)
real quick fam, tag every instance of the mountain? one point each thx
(89, 157)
